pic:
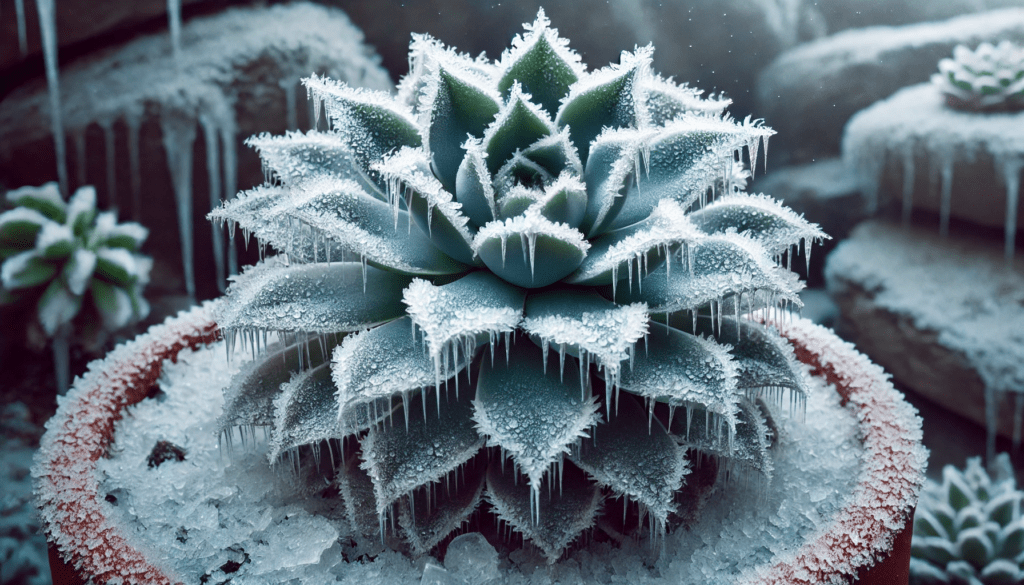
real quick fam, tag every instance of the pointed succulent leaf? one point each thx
(760, 218)
(1012, 539)
(556, 154)
(424, 52)
(1004, 508)
(519, 170)
(1001, 572)
(295, 157)
(249, 397)
(57, 306)
(430, 515)
(20, 226)
(510, 396)
(542, 63)
(685, 158)
(458, 104)
(609, 97)
(109, 233)
(473, 188)
(519, 124)
(44, 199)
(400, 458)
(364, 226)
(26, 270)
(517, 200)
(316, 298)
(684, 370)
(55, 241)
(957, 489)
(646, 244)
(635, 457)
(715, 267)
(78, 270)
(551, 519)
(477, 307)
(565, 200)
(511, 249)
(356, 489)
(113, 303)
(371, 122)
(666, 101)
(383, 362)
(974, 546)
(747, 443)
(586, 325)
(409, 178)
(81, 210)
(612, 169)
(117, 266)
(305, 412)
(937, 550)
(926, 524)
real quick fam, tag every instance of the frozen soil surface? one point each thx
(225, 513)
(23, 557)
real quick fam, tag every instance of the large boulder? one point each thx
(809, 92)
(915, 151)
(843, 14)
(126, 109)
(944, 315)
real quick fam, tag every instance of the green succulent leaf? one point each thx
(564, 200)
(937, 550)
(747, 443)
(116, 266)
(314, 298)
(542, 63)
(429, 515)
(294, 157)
(635, 456)
(646, 244)
(1001, 572)
(974, 546)
(386, 361)
(511, 249)
(356, 489)
(26, 270)
(519, 170)
(473, 187)
(517, 200)
(509, 395)
(613, 166)
(610, 97)
(760, 218)
(551, 519)
(108, 233)
(1004, 508)
(667, 101)
(57, 306)
(715, 267)
(434, 209)
(556, 154)
(399, 458)
(249, 397)
(44, 199)
(684, 370)
(81, 210)
(518, 125)
(19, 227)
(474, 309)
(584, 324)
(958, 491)
(370, 122)
(460, 105)
(113, 303)
(684, 159)
(305, 413)
(926, 524)
(1012, 539)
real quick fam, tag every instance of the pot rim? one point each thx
(78, 435)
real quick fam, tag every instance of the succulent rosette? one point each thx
(521, 279)
(989, 78)
(59, 253)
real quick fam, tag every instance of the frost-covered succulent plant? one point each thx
(465, 272)
(969, 529)
(58, 253)
(990, 78)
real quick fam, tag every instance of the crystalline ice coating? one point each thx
(429, 515)
(211, 136)
(667, 101)
(759, 217)
(517, 125)
(179, 134)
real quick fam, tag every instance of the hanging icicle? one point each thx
(133, 123)
(108, 143)
(179, 135)
(211, 134)
(174, 22)
(19, 9)
(228, 142)
(48, 30)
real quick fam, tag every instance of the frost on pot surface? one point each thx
(969, 529)
(516, 260)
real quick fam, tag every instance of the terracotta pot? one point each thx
(872, 534)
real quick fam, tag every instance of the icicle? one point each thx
(48, 30)
(991, 422)
(211, 135)
(946, 170)
(108, 144)
(81, 164)
(1011, 168)
(290, 85)
(174, 22)
(133, 122)
(1018, 420)
(179, 135)
(908, 181)
(230, 169)
(19, 9)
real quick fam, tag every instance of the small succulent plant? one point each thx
(969, 529)
(464, 273)
(990, 78)
(59, 253)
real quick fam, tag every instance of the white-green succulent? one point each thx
(989, 78)
(519, 260)
(57, 254)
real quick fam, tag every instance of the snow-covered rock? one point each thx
(808, 93)
(827, 193)
(914, 149)
(844, 14)
(146, 128)
(944, 315)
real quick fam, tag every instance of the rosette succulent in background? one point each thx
(506, 261)
(987, 79)
(78, 269)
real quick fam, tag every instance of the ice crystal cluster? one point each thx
(520, 282)
(990, 78)
(58, 254)
(969, 529)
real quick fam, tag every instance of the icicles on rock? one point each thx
(174, 23)
(48, 31)
(107, 126)
(19, 9)
(211, 135)
(133, 124)
(1010, 166)
(179, 135)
